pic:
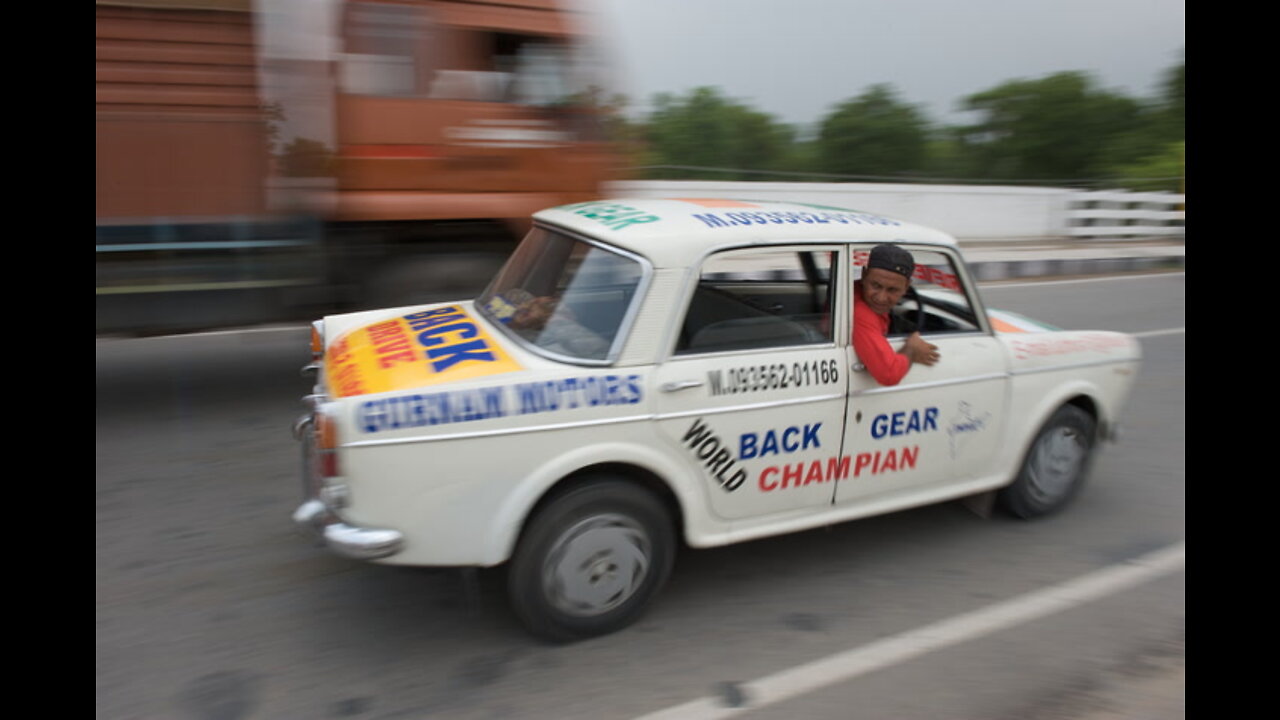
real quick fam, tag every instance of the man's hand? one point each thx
(919, 351)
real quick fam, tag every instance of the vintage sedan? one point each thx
(646, 373)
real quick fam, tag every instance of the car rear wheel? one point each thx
(1055, 466)
(589, 562)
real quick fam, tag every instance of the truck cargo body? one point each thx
(256, 167)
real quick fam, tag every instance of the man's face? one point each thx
(882, 289)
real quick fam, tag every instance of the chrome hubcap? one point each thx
(1055, 463)
(596, 565)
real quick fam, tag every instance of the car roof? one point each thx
(676, 232)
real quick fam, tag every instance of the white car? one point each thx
(644, 373)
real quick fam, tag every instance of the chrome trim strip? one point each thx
(936, 383)
(988, 376)
(942, 335)
(1072, 366)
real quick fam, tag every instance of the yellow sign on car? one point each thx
(415, 350)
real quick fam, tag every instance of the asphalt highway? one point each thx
(211, 607)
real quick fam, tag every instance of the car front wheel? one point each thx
(1055, 466)
(590, 561)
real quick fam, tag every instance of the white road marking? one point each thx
(900, 648)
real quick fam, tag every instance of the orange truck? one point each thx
(265, 161)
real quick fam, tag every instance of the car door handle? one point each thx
(679, 385)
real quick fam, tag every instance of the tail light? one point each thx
(317, 340)
(327, 444)
(317, 349)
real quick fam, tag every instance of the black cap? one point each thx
(893, 259)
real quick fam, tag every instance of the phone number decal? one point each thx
(776, 376)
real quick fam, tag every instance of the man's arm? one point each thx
(885, 365)
(919, 351)
(873, 350)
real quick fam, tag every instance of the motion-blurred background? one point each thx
(272, 160)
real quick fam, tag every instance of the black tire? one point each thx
(590, 561)
(1055, 465)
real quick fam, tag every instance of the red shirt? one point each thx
(869, 330)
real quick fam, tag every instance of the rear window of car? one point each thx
(563, 296)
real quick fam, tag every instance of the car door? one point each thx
(941, 424)
(753, 393)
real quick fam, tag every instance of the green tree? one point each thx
(1056, 128)
(873, 134)
(1145, 157)
(1175, 106)
(945, 156)
(706, 129)
(1162, 171)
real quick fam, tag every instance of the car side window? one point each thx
(936, 302)
(751, 298)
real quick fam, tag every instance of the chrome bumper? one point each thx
(319, 523)
(317, 517)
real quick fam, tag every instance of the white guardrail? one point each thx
(969, 212)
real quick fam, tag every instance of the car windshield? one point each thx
(563, 296)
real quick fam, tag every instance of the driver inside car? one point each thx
(885, 280)
(551, 324)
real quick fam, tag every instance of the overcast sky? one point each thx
(797, 59)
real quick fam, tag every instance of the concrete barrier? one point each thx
(975, 213)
